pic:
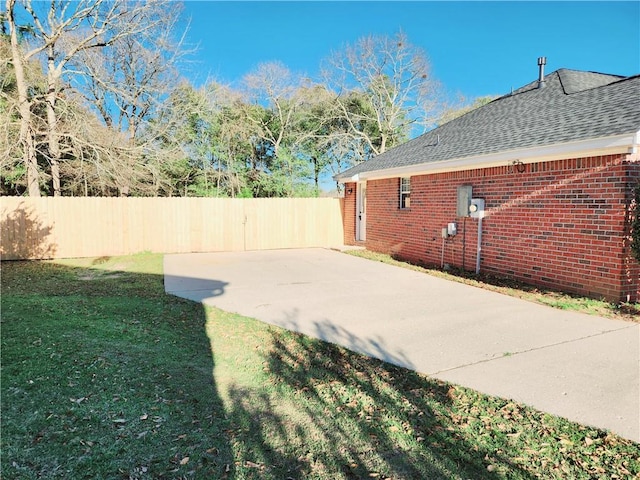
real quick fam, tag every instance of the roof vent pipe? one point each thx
(542, 61)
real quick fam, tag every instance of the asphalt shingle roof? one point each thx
(573, 105)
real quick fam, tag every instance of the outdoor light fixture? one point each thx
(349, 191)
(518, 165)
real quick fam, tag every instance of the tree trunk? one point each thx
(383, 143)
(316, 174)
(52, 122)
(27, 135)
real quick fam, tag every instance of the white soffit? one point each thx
(628, 143)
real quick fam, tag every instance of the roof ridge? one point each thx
(576, 81)
(533, 85)
(571, 107)
(590, 71)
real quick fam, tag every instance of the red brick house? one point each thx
(555, 164)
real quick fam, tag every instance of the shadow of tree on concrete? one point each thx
(106, 376)
(23, 235)
(353, 417)
(331, 332)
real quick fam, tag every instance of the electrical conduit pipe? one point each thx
(480, 216)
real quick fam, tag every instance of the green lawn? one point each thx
(105, 376)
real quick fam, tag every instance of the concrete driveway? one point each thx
(581, 367)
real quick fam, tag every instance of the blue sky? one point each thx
(475, 48)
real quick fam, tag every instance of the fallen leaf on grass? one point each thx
(184, 461)
(38, 437)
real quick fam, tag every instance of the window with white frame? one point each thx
(405, 192)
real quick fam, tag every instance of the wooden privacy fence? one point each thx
(67, 227)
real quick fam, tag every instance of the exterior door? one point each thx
(361, 213)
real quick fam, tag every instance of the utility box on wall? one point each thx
(464, 200)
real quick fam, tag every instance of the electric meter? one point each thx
(476, 207)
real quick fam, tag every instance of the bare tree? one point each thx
(384, 89)
(27, 135)
(99, 160)
(9, 129)
(276, 87)
(14, 152)
(61, 32)
(127, 81)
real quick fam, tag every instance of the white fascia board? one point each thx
(627, 143)
(339, 177)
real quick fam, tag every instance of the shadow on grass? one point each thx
(352, 417)
(106, 376)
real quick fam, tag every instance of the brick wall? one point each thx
(561, 224)
(349, 216)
